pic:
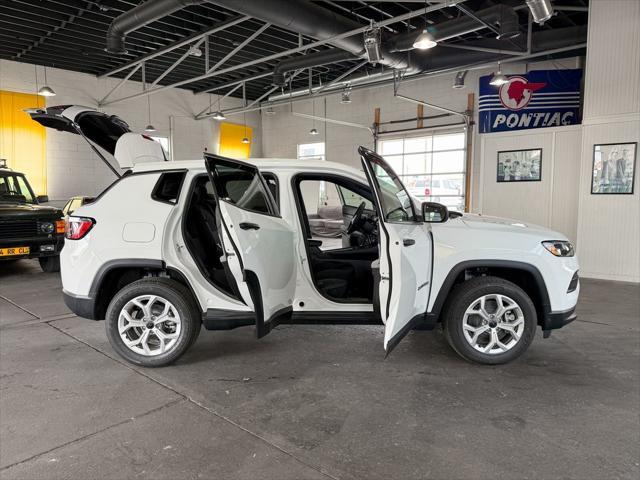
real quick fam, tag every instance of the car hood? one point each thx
(508, 225)
(27, 209)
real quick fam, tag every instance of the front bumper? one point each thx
(82, 306)
(555, 320)
(34, 244)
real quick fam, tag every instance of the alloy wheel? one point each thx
(149, 325)
(493, 324)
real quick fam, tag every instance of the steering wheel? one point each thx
(356, 219)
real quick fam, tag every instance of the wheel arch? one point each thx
(116, 274)
(525, 275)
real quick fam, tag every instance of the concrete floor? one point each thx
(311, 402)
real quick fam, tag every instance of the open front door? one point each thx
(258, 243)
(405, 252)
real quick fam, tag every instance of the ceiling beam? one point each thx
(350, 33)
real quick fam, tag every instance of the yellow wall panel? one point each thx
(23, 141)
(231, 136)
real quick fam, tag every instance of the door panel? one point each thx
(405, 252)
(251, 233)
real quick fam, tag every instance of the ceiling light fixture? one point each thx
(149, 128)
(424, 40)
(499, 78)
(245, 139)
(46, 90)
(313, 130)
(269, 111)
(217, 115)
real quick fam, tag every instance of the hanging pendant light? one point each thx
(499, 78)
(313, 130)
(46, 90)
(217, 115)
(425, 41)
(149, 128)
(245, 139)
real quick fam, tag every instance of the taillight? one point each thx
(78, 227)
(427, 192)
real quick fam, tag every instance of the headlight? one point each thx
(559, 248)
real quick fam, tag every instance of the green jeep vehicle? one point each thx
(27, 228)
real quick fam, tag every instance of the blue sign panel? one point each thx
(538, 99)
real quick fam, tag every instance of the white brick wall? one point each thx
(283, 132)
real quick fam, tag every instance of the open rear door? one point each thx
(405, 252)
(258, 243)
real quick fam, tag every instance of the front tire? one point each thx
(489, 320)
(49, 264)
(152, 322)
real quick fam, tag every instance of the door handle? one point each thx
(407, 242)
(249, 226)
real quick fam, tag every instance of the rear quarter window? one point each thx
(168, 187)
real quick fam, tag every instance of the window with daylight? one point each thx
(432, 167)
(164, 141)
(314, 151)
(311, 151)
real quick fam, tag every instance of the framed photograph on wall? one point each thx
(614, 166)
(520, 165)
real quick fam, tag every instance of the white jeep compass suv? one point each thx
(171, 246)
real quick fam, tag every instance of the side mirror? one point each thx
(42, 198)
(434, 212)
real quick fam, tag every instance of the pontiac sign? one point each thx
(538, 99)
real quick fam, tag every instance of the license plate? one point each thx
(13, 251)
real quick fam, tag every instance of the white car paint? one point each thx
(470, 238)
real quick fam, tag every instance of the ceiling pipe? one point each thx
(444, 60)
(502, 16)
(140, 16)
(316, 59)
(311, 20)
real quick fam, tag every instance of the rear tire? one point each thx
(479, 330)
(50, 264)
(152, 322)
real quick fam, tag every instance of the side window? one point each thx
(396, 202)
(272, 184)
(168, 187)
(352, 199)
(241, 185)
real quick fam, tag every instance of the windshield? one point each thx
(14, 188)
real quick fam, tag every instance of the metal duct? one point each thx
(444, 58)
(311, 60)
(307, 18)
(140, 16)
(503, 16)
(541, 10)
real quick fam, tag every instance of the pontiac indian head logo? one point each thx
(517, 92)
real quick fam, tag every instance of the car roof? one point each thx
(261, 163)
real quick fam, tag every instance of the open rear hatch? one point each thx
(109, 132)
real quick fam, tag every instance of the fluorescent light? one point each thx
(424, 41)
(47, 91)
